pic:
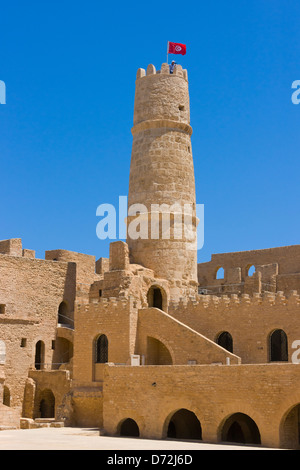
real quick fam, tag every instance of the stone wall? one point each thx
(183, 343)
(266, 393)
(31, 291)
(249, 319)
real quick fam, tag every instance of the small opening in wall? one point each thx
(2, 308)
(250, 270)
(100, 292)
(220, 273)
(181, 107)
(53, 344)
(23, 342)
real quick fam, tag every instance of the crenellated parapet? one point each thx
(234, 300)
(107, 303)
(165, 70)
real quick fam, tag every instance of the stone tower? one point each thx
(162, 180)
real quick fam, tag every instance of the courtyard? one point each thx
(67, 438)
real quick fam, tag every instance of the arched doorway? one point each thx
(290, 429)
(129, 428)
(184, 424)
(240, 428)
(225, 340)
(47, 404)
(157, 353)
(155, 297)
(39, 355)
(278, 346)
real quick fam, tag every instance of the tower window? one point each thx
(181, 107)
(2, 308)
(23, 342)
(101, 355)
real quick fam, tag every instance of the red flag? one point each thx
(176, 48)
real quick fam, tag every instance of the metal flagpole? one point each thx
(168, 53)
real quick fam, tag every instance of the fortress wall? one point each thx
(249, 320)
(12, 247)
(31, 291)
(213, 393)
(85, 264)
(34, 288)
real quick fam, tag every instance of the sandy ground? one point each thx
(89, 439)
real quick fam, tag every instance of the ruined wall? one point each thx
(279, 268)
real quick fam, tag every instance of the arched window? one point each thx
(250, 270)
(225, 340)
(101, 353)
(220, 273)
(278, 346)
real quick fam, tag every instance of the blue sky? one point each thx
(65, 141)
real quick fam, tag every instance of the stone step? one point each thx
(27, 423)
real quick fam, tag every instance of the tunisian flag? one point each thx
(176, 48)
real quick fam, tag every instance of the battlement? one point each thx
(13, 247)
(165, 70)
(212, 301)
(107, 302)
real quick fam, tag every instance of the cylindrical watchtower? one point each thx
(162, 178)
